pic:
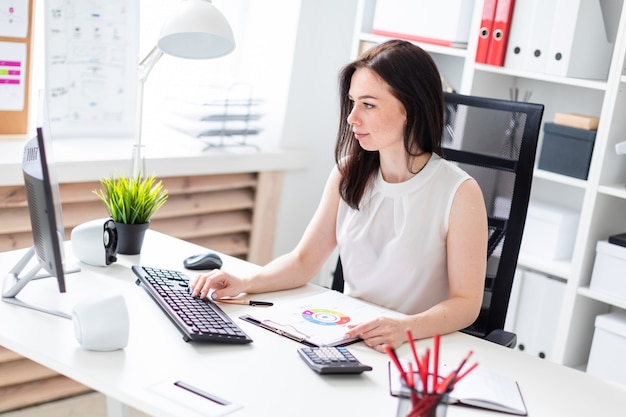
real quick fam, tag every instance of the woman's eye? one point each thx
(368, 106)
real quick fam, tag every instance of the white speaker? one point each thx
(101, 322)
(95, 242)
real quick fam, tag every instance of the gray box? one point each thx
(566, 150)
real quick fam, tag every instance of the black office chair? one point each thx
(495, 141)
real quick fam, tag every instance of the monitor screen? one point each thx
(44, 206)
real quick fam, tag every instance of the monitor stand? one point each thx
(13, 283)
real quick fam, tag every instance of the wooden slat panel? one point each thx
(186, 228)
(36, 392)
(265, 217)
(205, 183)
(12, 196)
(234, 245)
(78, 192)
(175, 186)
(15, 196)
(205, 225)
(7, 355)
(15, 241)
(177, 206)
(14, 219)
(17, 219)
(23, 370)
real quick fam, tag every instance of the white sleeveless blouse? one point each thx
(393, 249)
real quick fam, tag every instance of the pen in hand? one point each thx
(246, 302)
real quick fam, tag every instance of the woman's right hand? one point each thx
(217, 283)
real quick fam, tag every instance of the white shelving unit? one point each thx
(600, 199)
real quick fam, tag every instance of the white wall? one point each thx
(323, 46)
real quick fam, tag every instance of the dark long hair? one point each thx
(414, 80)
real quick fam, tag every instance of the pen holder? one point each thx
(423, 404)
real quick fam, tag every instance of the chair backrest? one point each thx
(495, 141)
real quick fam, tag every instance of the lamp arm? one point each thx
(146, 64)
(143, 70)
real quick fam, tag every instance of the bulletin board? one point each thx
(16, 18)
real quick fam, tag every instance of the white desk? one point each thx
(266, 377)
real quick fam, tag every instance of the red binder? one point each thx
(486, 26)
(500, 33)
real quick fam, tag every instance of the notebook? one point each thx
(318, 320)
(481, 388)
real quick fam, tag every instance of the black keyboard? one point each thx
(197, 319)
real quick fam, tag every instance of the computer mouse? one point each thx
(208, 260)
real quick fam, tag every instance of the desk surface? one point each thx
(266, 377)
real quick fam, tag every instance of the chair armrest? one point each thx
(503, 338)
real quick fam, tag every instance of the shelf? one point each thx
(560, 179)
(558, 269)
(428, 47)
(616, 190)
(601, 206)
(575, 82)
(602, 297)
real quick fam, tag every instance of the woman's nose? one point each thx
(352, 117)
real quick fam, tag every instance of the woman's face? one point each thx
(377, 117)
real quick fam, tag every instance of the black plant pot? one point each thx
(130, 237)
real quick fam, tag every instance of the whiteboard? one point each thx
(91, 67)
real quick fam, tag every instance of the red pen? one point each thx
(436, 341)
(392, 354)
(409, 336)
(426, 370)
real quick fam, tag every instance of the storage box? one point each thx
(535, 298)
(606, 359)
(550, 231)
(609, 270)
(442, 22)
(566, 150)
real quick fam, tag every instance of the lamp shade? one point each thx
(197, 30)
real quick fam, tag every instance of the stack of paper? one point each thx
(226, 117)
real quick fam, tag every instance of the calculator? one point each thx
(332, 360)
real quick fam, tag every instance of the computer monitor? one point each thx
(44, 206)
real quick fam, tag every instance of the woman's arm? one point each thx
(290, 270)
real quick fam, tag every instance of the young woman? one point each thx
(410, 227)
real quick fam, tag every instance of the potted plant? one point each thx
(131, 202)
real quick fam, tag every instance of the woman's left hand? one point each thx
(380, 332)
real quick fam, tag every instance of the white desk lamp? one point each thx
(198, 30)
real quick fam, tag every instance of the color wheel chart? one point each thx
(325, 317)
